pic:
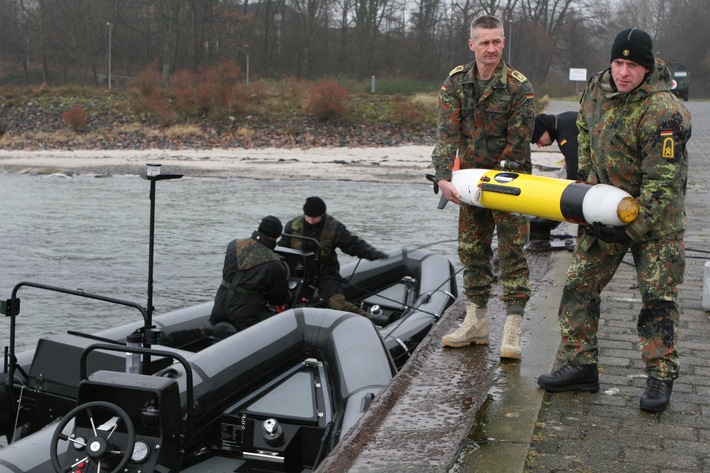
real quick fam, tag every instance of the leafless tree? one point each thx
(66, 40)
(678, 28)
(14, 38)
(309, 22)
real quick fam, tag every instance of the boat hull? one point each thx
(226, 379)
(346, 358)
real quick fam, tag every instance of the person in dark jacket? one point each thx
(563, 129)
(548, 129)
(253, 277)
(331, 234)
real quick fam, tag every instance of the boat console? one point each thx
(303, 274)
(283, 426)
(124, 422)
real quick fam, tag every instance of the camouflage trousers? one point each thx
(659, 270)
(476, 228)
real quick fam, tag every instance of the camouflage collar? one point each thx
(497, 79)
(657, 80)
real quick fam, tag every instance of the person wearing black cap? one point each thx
(317, 224)
(563, 129)
(253, 278)
(632, 134)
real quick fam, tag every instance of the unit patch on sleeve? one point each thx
(668, 144)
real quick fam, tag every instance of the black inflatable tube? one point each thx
(437, 290)
(348, 345)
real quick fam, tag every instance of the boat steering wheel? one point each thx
(96, 444)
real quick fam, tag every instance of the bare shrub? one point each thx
(327, 101)
(76, 118)
(405, 113)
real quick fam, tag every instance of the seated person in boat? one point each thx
(330, 234)
(253, 277)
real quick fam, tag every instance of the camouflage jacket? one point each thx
(495, 126)
(330, 234)
(253, 275)
(637, 141)
(251, 252)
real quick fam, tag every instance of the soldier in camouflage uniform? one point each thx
(633, 135)
(486, 114)
(253, 276)
(316, 224)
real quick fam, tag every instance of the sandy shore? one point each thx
(407, 164)
(387, 164)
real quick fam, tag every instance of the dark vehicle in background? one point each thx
(680, 82)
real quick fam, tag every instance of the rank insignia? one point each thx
(521, 78)
(668, 144)
(456, 70)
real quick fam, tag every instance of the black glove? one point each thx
(375, 255)
(607, 233)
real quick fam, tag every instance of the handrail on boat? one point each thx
(11, 308)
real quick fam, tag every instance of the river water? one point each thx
(92, 234)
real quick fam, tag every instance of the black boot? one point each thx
(571, 378)
(657, 394)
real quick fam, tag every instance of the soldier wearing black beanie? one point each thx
(314, 207)
(271, 227)
(323, 235)
(633, 134)
(254, 279)
(634, 45)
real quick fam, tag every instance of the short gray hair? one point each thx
(487, 22)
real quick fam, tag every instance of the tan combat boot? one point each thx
(473, 329)
(510, 347)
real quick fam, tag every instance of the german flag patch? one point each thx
(529, 96)
(668, 144)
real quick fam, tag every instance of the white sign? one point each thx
(579, 75)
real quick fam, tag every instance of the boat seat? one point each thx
(221, 331)
(56, 365)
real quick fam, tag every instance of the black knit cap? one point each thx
(271, 227)
(635, 45)
(544, 123)
(314, 207)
